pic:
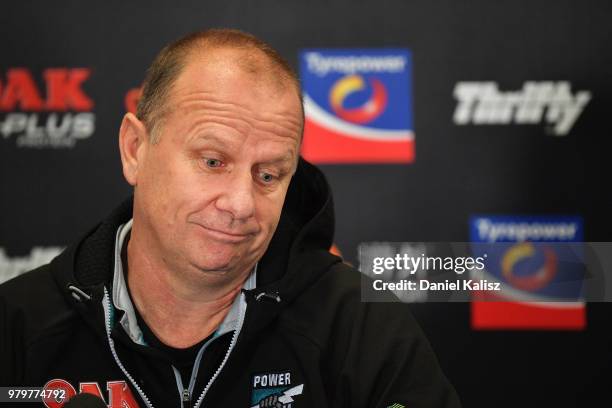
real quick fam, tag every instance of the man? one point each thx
(214, 286)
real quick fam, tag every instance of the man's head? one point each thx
(212, 152)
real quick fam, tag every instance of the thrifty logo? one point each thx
(482, 103)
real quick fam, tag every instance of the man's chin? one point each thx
(219, 265)
(214, 268)
(220, 259)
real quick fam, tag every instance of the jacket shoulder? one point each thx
(23, 290)
(374, 353)
(334, 305)
(35, 301)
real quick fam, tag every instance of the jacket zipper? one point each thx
(185, 394)
(242, 312)
(111, 343)
(186, 398)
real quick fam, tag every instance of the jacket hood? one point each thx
(296, 256)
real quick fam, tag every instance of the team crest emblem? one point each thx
(274, 390)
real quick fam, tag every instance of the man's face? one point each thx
(209, 194)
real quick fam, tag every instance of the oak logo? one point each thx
(55, 115)
(119, 394)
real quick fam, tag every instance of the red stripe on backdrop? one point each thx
(322, 145)
(512, 315)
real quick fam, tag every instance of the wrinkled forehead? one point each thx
(238, 76)
(226, 89)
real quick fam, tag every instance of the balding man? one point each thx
(214, 286)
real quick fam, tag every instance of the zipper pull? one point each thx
(271, 296)
(186, 396)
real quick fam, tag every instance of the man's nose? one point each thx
(238, 198)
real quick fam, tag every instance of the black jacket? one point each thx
(305, 339)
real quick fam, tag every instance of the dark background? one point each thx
(49, 197)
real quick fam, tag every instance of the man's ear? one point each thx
(133, 141)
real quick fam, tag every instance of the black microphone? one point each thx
(85, 400)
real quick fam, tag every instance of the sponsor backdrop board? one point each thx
(536, 273)
(357, 105)
(424, 116)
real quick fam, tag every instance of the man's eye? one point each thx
(267, 177)
(214, 163)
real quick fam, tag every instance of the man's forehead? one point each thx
(216, 84)
(215, 69)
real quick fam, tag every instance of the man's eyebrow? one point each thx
(287, 158)
(212, 138)
(209, 137)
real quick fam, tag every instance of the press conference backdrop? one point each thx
(433, 120)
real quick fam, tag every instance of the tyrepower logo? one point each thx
(539, 262)
(550, 103)
(358, 105)
(55, 115)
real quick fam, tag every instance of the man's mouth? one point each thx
(226, 236)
